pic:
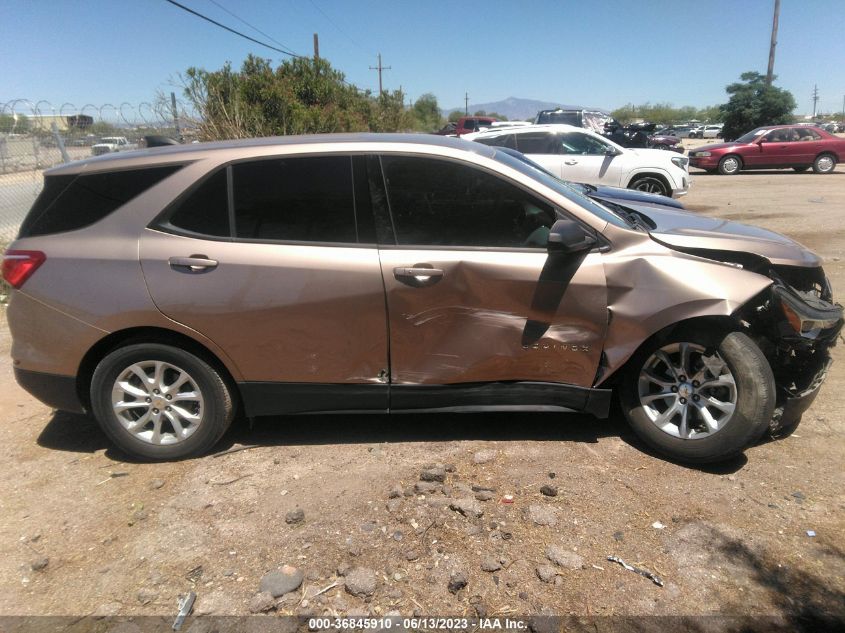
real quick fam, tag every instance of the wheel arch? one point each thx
(122, 338)
(728, 323)
(654, 173)
(827, 151)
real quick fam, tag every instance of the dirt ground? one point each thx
(83, 531)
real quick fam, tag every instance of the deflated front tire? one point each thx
(699, 395)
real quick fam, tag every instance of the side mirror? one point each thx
(611, 151)
(568, 236)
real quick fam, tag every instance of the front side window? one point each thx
(583, 144)
(307, 199)
(785, 135)
(443, 203)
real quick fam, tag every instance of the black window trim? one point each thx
(161, 222)
(561, 213)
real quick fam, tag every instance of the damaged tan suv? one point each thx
(164, 290)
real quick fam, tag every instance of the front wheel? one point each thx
(824, 164)
(699, 396)
(661, 146)
(651, 184)
(158, 402)
(730, 165)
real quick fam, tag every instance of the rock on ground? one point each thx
(361, 582)
(563, 557)
(457, 581)
(468, 507)
(262, 602)
(281, 581)
(295, 516)
(482, 457)
(541, 515)
(546, 572)
(490, 563)
(433, 474)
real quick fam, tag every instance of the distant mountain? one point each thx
(515, 108)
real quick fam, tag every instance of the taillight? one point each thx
(18, 266)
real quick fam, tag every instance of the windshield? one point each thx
(571, 191)
(752, 136)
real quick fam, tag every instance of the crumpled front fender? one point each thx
(650, 287)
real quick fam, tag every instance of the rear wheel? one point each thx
(699, 396)
(824, 164)
(159, 402)
(730, 165)
(651, 184)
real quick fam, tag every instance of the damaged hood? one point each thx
(685, 230)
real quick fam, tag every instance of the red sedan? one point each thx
(773, 147)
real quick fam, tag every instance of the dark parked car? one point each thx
(164, 290)
(799, 147)
(642, 135)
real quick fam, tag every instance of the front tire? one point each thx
(824, 164)
(699, 395)
(730, 165)
(650, 184)
(157, 402)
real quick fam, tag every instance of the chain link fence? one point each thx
(35, 136)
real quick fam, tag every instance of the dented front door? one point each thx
(473, 296)
(474, 316)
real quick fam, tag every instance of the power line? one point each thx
(335, 25)
(231, 30)
(254, 28)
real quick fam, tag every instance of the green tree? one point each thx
(10, 124)
(454, 115)
(426, 112)
(753, 104)
(300, 96)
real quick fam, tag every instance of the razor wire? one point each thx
(38, 135)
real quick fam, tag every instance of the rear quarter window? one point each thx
(68, 203)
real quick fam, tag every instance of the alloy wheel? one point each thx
(687, 391)
(157, 402)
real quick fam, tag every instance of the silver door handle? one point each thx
(417, 272)
(194, 263)
(570, 162)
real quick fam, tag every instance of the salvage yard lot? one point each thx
(85, 532)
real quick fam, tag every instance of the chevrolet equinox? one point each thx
(164, 290)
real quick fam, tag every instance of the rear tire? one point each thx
(158, 402)
(730, 165)
(725, 405)
(824, 164)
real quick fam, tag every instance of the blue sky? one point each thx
(601, 53)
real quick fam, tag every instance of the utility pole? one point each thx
(379, 68)
(466, 103)
(316, 47)
(774, 43)
(815, 100)
(175, 115)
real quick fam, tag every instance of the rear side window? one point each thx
(206, 209)
(308, 199)
(68, 203)
(536, 143)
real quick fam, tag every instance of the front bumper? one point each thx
(704, 162)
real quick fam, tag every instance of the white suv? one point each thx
(578, 155)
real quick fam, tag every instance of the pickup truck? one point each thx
(109, 144)
(467, 125)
